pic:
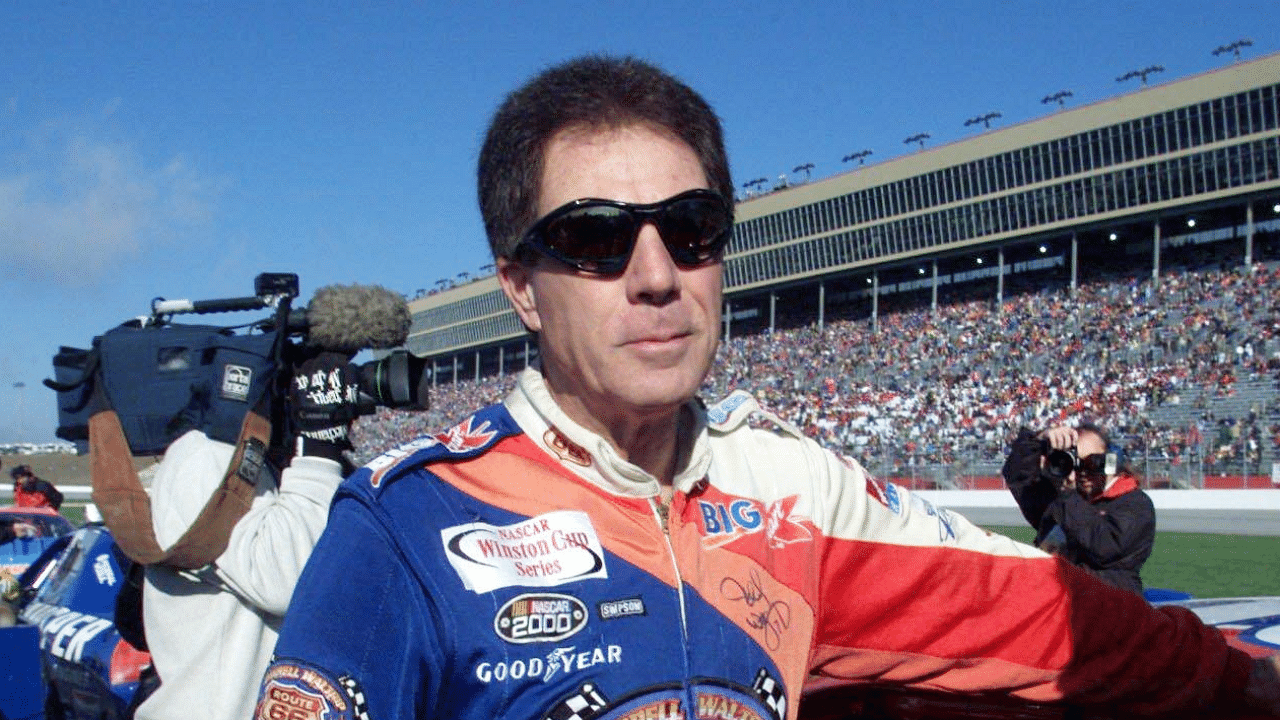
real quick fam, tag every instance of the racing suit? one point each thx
(211, 632)
(515, 567)
(1110, 535)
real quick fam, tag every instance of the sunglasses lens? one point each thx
(694, 229)
(1093, 464)
(594, 238)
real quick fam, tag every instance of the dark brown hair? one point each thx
(591, 92)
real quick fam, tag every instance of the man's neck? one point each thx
(656, 442)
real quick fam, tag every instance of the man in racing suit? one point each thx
(1094, 516)
(601, 545)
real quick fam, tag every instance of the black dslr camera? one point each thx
(164, 378)
(1059, 464)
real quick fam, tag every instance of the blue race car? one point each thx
(69, 594)
(25, 533)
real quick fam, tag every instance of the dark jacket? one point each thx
(1111, 536)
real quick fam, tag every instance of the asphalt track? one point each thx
(1200, 520)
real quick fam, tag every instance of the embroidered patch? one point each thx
(299, 692)
(544, 617)
(551, 549)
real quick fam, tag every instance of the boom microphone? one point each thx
(350, 318)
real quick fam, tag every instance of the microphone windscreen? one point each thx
(350, 318)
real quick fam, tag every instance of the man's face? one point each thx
(1090, 485)
(619, 348)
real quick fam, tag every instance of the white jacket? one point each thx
(211, 632)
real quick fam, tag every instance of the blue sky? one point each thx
(178, 149)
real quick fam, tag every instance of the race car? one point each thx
(25, 533)
(69, 595)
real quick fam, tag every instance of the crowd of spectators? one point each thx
(1152, 361)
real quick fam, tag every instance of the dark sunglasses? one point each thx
(598, 236)
(1093, 465)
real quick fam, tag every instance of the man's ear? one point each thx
(515, 280)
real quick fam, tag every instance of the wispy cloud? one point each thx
(74, 203)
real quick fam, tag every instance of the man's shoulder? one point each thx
(469, 438)
(739, 411)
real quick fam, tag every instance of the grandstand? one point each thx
(1116, 261)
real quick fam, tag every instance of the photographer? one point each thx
(211, 631)
(1083, 503)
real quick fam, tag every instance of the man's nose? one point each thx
(652, 275)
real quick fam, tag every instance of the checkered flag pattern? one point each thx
(583, 705)
(771, 694)
(359, 708)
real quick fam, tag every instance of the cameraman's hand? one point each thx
(323, 396)
(1061, 438)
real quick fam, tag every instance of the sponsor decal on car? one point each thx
(551, 549)
(65, 633)
(536, 617)
(102, 570)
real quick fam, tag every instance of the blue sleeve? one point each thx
(359, 639)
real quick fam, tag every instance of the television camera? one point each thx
(163, 378)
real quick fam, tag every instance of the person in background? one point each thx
(1083, 502)
(603, 544)
(31, 491)
(210, 631)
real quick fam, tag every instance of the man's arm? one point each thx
(270, 544)
(917, 595)
(1021, 471)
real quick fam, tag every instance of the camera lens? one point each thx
(1058, 464)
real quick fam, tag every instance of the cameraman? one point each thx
(1084, 504)
(211, 631)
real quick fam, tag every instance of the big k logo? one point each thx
(726, 520)
(467, 436)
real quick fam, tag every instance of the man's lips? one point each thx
(658, 338)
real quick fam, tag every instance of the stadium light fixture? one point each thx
(921, 271)
(978, 260)
(805, 168)
(860, 156)
(917, 138)
(1233, 48)
(1043, 249)
(1191, 222)
(1058, 97)
(1143, 73)
(985, 119)
(1275, 208)
(1112, 238)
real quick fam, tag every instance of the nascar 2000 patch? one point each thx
(545, 617)
(551, 549)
